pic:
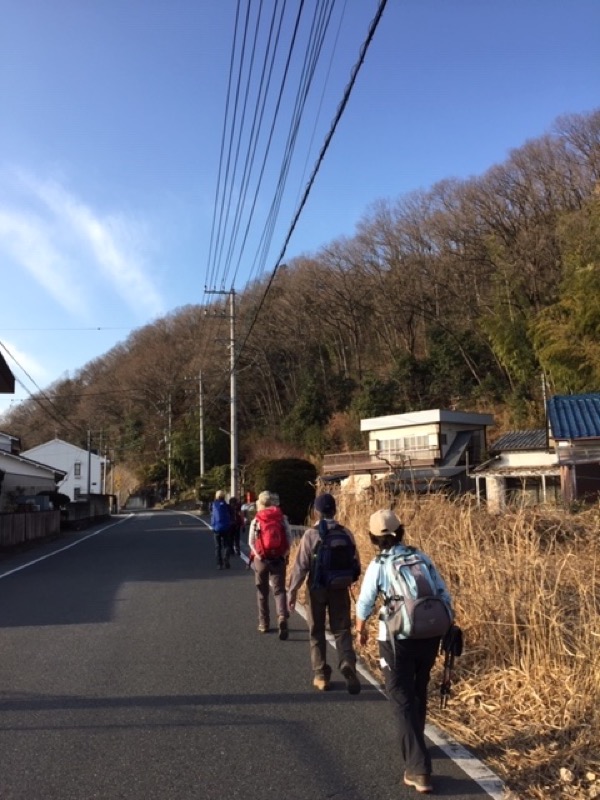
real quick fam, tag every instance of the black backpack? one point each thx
(334, 564)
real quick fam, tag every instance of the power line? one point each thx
(340, 110)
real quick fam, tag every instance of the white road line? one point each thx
(61, 549)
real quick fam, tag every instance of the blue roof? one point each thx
(574, 416)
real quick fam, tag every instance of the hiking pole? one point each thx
(451, 646)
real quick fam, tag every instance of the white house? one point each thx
(421, 450)
(523, 469)
(83, 470)
(21, 479)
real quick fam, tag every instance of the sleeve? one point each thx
(252, 536)
(368, 591)
(288, 532)
(301, 566)
(357, 559)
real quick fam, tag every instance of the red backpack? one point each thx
(271, 540)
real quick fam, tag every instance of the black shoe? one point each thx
(352, 682)
(283, 628)
(219, 566)
(227, 565)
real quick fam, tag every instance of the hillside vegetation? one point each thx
(463, 295)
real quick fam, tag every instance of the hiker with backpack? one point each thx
(328, 558)
(220, 521)
(269, 539)
(415, 615)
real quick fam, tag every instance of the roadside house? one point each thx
(556, 464)
(22, 479)
(418, 451)
(83, 470)
(574, 432)
(522, 469)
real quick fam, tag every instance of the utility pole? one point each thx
(169, 452)
(201, 423)
(233, 432)
(89, 464)
(233, 392)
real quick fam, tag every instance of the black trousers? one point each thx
(406, 666)
(222, 548)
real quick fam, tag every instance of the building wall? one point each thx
(74, 461)
(434, 441)
(534, 458)
(23, 484)
(495, 490)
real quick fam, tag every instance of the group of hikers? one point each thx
(415, 618)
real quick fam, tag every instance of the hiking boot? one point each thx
(283, 628)
(352, 682)
(321, 683)
(422, 783)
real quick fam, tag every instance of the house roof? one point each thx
(575, 416)
(489, 470)
(59, 474)
(519, 441)
(431, 416)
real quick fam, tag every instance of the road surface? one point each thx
(131, 668)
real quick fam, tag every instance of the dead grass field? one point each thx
(526, 587)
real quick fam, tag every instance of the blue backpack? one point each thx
(413, 607)
(221, 518)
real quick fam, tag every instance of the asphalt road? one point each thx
(131, 668)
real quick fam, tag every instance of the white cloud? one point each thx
(66, 246)
(27, 240)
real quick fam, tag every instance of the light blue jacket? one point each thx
(376, 581)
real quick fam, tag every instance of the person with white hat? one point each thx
(406, 661)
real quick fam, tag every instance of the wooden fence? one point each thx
(24, 527)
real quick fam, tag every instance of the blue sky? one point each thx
(111, 122)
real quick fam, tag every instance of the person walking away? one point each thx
(328, 559)
(269, 539)
(220, 520)
(409, 640)
(237, 523)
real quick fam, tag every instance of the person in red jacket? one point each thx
(270, 539)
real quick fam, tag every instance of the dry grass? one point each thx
(526, 586)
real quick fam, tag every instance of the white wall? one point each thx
(74, 461)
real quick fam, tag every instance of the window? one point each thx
(77, 469)
(76, 493)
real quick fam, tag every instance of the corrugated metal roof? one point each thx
(520, 440)
(575, 416)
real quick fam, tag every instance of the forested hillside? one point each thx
(468, 294)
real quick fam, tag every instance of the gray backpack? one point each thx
(412, 605)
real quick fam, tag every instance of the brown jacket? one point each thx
(304, 557)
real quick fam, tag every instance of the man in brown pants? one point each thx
(328, 596)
